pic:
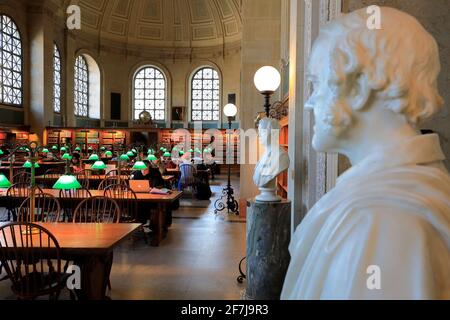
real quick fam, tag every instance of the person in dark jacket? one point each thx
(151, 174)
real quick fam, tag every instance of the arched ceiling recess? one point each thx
(161, 23)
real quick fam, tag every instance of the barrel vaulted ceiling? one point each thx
(162, 23)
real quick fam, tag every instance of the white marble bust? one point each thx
(384, 231)
(274, 161)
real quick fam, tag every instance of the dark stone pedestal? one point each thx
(268, 237)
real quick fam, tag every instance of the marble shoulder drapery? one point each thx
(391, 210)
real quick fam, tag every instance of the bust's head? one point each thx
(353, 69)
(265, 127)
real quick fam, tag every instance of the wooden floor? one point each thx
(198, 260)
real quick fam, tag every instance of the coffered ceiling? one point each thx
(161, 23)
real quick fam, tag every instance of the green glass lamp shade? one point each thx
(66, 156)
(151, 151)
(134, 151)
(78, 149)
(1, 152)
(4, 182)
(67, 182)
(139, 165)
(54, 148)
(108, 153)
(90, 148)
(162, 148)
(102, 149)
(166, 154)
(152, 157)
(45, 150)
(27, 164)
(99, 165)
(175, 149)
(181, 153)
(94, 157)
(190, 150)
(130, 154)
(63, 149)
(124, 157)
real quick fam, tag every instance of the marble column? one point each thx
(261, 26)
(41, 71)
(268, 237)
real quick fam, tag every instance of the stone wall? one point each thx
(435, 17)
(40, 27)
(260, 46)
(118, 69)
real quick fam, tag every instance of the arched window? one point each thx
(81, 88)
(150, 93)
(205, 94)
(11, 62)
(56, 79)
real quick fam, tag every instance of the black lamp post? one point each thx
(227, 199)
(33, 150)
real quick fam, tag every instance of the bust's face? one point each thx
(323, 99)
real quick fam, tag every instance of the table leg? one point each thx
(95, 272)
(168, 212)
(158, 225)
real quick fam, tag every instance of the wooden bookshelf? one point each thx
(202, 140)
(81, 138)
(57, 137)
(22, 135)
(113, 139)
(95, 138)
(282, 114)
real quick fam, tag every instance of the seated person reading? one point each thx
(76, 162)
(141, 174)
(151, 173)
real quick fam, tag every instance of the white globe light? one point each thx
(267, 79)
(230, 110)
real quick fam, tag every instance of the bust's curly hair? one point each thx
(401, 61)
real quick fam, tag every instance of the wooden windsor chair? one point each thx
(31, 256)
